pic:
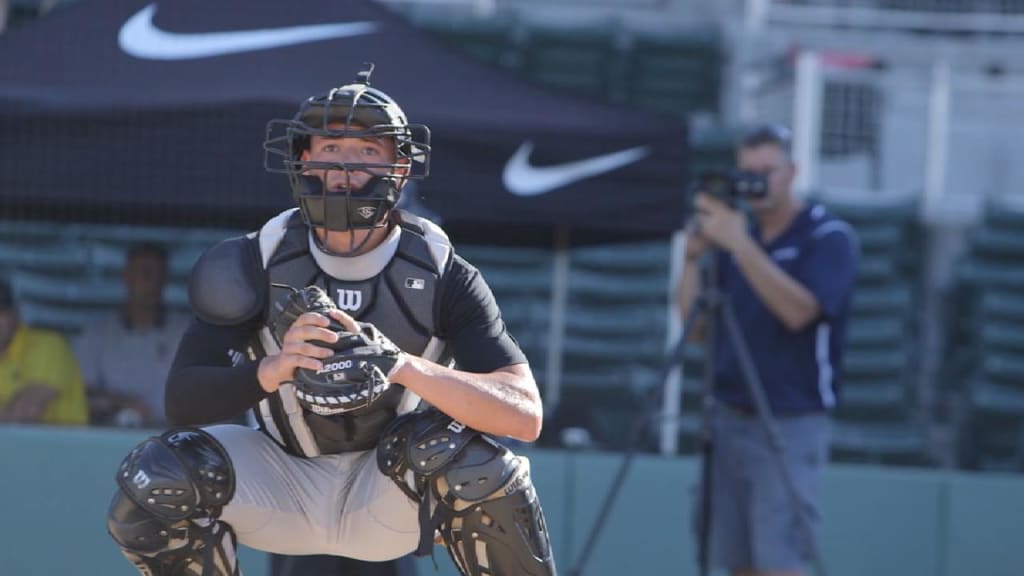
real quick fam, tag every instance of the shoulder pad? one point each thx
(228, 284)
(437, 240)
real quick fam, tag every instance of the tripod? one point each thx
(715, 306)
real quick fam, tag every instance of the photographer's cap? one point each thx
(778, 134)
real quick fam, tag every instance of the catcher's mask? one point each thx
(351, 111)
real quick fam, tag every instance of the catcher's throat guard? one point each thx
(475, 492)
(355, 376)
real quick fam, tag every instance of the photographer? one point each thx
(788, 277)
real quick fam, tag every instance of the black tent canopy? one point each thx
(160, 107)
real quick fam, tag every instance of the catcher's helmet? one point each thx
(354, 110)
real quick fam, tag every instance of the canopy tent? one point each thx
(154, 112)
(160, 107)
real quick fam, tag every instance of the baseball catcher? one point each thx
(373, 361)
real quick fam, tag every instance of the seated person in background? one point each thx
(125, 356)
(39, 378)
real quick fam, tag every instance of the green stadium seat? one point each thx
(870, 209)
(892, 299)
(866, 331)
(876, 268)
(1003, 366)
(483, 255)
(33, 232)
(594, 320)
(998, 243)
(681, 75)
(998, 398)
(865, 363)
(617, 286)
(900, 443)
(1002, 305)
(1000, 336)
(519, 281)
(67, 319)
(993, 435)
(880, 238)
(614, 401)
(583, 62)
(644, 257)
(583, 352)
(490, 41)
(61, 258)
(1005, 212)
(873, 400)
(67, 291)
(990, 274)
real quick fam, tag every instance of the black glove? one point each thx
(355, 375)
(309, 299)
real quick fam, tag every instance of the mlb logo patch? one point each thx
(415, 283)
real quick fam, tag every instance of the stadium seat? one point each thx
(617, 286)
(880, 238)
(679, 75)
(873, 399)
(990, 273)
(894, 298)
(1002, 305)
(900, 443)
(867, 331)
(614, 402)
(640, 257)
(861, 208)
(876, 268)
(1003, 366)
(66, 259)
(582, 62)
(490, 41)
(888, 362)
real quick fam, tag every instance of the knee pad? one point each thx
(472, 490)
(172, 488)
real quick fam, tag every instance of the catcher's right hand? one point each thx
(304, 330)
(356, 359)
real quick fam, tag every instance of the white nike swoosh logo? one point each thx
(140, 38)
(523, 179)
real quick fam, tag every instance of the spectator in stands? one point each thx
(125, 356)
(789, 277)
(39, 379)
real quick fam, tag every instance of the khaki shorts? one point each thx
(754, 521)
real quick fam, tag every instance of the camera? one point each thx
(731, 186)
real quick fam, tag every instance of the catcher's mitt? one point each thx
(357, 373)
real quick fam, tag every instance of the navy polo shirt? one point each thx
(799, 370)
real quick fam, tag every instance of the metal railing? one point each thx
(942, 16)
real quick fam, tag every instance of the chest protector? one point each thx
(399, 298)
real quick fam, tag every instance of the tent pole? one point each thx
(672, 400)
(556, 320)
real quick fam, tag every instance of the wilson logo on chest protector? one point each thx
(350, 299)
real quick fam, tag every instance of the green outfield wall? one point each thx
(55, 485)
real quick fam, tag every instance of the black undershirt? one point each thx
(204, 387)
